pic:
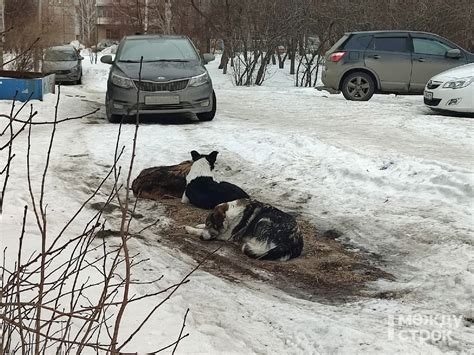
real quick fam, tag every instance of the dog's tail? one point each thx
(135, 187)
(268, 251)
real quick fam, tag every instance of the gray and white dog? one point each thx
(265, 231)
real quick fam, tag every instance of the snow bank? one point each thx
(396, 179)
(110, 50)
(78, 45)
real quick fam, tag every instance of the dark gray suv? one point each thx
(401, 62)
(173, 78)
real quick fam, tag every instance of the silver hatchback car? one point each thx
(65, 62)
(173, 78)
(402, 62)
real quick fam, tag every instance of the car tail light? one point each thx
(336, 57)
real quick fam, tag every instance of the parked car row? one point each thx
(402, 62)
(170, 75)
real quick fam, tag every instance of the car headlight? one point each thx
(199, 80)
(459, 83)
(121, 81)
(75, 69)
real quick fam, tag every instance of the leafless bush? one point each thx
(22, 49)
(86, 14)
(310, 61)
(252, 31)
(51, 303)
(31, 32)
(152, 16)
(19, 16)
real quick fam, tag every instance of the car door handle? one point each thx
(421, 59)
(375, 56)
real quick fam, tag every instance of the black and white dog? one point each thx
(265, 231)
(201, 188)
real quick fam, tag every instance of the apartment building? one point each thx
(62, 18)
(118, 18)
(111, 24)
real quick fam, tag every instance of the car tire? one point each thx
(358, 86)
(209, 116)
(79, 81)
(110, 117)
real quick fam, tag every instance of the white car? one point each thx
(452, 90)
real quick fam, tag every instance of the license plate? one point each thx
(161, 99)
(428, 95)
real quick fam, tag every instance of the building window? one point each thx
(105, 12)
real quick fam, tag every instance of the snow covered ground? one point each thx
(394, 177)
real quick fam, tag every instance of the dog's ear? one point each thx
(217, 216)
(222, 209)
(195, 155)
(211, 158)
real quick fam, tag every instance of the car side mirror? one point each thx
(107, 59)
(208, 57)
(81, 57)
(453, 53)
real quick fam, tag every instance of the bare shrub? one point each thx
(252, 31)
(86, 14)
(72, 293)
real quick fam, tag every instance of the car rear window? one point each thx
(60, 55)
(357, 42)
(338, 44)
(390, 44)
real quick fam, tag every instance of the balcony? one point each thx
(108, 21)
(104, 2)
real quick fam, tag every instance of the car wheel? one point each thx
(358, 86)
(110, 117)
(209, 116)
(79, 81)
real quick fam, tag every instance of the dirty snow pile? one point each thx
(396, 179)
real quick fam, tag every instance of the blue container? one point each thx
(23, 86)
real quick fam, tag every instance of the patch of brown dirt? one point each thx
(327, 270)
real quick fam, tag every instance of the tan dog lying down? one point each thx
(162, 181)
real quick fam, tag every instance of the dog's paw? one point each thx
(193, 231)
(205, 235)
(185, 199)
(201, 226)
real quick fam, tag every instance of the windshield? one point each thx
(157, 49)
(60, 55)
